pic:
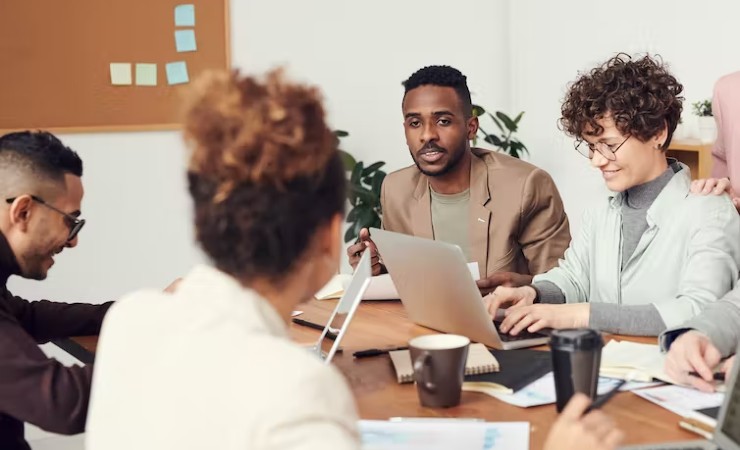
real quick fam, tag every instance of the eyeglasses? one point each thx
(73, 223)
(587, 149)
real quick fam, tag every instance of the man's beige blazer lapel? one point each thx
(480, 216)
(421, 210)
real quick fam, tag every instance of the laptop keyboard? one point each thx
(519, 337)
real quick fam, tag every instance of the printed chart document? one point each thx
(542, 391)
(443, 434)
(381, 286)
(684, 401)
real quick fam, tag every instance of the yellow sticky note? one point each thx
(146, 74)
(120, 74)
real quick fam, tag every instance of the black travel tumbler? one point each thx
(576, 356)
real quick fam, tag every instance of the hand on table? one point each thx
(693, 352)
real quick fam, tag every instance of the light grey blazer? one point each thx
(686, 259)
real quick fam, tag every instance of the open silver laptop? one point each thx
(726, 433)
(438, 291)
(337, 325)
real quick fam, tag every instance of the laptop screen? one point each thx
(731, 421)
(339, 321)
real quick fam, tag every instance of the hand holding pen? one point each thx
(354, 251)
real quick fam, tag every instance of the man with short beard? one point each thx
(41, 189)
(504, 213)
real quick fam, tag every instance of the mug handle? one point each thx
(422, 371)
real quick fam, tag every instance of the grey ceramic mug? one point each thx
(439, 367)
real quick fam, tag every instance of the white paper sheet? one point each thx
(443, 434)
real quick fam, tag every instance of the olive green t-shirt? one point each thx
(450, 219)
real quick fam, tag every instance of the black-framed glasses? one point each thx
(74, 224)
(608, 151)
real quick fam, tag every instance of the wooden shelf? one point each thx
(695, 154)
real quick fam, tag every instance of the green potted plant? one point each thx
(363, 192)
(707, 127)
(505, 142)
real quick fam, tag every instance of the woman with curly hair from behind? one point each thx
(650, 256)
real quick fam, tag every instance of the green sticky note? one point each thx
(185, 41)
(185, 15)
(120, 74)
(177, 72)
(146, 74)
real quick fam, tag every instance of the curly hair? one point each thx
(445, 76)
(640, 95)
(264, 171)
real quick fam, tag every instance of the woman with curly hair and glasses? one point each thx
(650, 256)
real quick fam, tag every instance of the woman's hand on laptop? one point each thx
(693, 352)
(575, 431)
(504, 297)
(534, 318)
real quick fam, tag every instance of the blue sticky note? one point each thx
(185, 15)
(177, 73)
(185, 41)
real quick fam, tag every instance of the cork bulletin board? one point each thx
(96, 65)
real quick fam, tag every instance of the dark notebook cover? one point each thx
(518, 368)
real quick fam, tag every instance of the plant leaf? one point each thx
(356, 173)
(340, 133)
(497, 122)
(348, 161)
(494, 140)
(510, 125)
(518, 118)
(352, 216)
(372, 168)
(377, 183)
(478, 110)
(364, 196)
(350, 234)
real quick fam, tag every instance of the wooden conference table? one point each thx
(379, 396)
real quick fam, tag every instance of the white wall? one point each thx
(518, 55)
(551, 41)
(139, 230)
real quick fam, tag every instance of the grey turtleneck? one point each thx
(624, 319)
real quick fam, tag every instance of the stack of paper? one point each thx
(443, 434)
(381, 287)
(633, 361)
(684, 401)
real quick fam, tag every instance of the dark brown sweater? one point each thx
(34, 388)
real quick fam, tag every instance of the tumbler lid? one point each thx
(576, 339)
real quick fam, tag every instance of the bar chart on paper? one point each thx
(438, 434)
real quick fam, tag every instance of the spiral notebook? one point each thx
(479, 361)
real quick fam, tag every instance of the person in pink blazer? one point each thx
(726, 149)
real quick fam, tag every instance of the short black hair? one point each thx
(442, 76)
(43, 151)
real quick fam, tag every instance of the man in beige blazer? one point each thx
(504, 213)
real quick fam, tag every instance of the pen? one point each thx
(435, 419)
(376, 352)
(601, 401)
(315, 326)
(717, 376)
